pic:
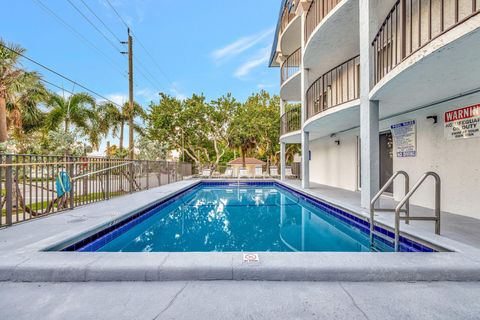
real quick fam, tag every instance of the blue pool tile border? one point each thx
(96, 241)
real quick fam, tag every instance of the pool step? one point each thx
(384, 237)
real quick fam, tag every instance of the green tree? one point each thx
(114, 118)
(78, 110)
(192, 125)
(255, 127)
(20, 92)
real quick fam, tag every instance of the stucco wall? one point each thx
(456, 161)
(335, 165)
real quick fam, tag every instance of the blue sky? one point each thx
(211, 46)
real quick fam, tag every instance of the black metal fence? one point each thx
(291, 120)
(291, 65)
(31, 185)
(412, 24)
(337, 86)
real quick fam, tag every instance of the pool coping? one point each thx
(30, 263)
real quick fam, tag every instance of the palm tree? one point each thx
(12, 80)
(78, 110)
(23, 114)
(114, 118)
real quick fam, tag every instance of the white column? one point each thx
(369, 110)
(305, 160)
(282, 145)
(305, 135)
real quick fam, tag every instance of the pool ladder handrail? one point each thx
(377, 197)
(406, 201)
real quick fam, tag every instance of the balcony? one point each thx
(290, 124)
(332, 35)
(337, 86)
(426, 51)
(332, 102)
(290, 77)
(288, 14)
(291, 66)
(411, 25)
(317, 11)
(290, 28)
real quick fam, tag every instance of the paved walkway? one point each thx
(453, 226)
(239, 300)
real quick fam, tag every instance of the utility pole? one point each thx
(130, 94)
(130, 107)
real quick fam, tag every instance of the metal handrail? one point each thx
(382, 191)
(99, 171)
(407, 197)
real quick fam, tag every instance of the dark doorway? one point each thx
(386, 159)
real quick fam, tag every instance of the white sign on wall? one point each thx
(462, 123)
(405, 138)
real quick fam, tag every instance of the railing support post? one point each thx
(146, 164)
(9, 190)
(107, 185)
(131, 177)
(72, 183)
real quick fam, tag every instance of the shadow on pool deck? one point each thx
(453, 226)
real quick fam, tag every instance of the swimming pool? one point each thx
(233, 216)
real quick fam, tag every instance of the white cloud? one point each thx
(147, 94)
(240, 45)
(260, 58)
(118, 98)
(175, 91)
(264, 86)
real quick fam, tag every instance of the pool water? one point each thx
(240, 218)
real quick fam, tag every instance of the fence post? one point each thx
(132, 176)
(72, 183)
(168, 172)
(146, 163)
(9, 190)
(107, 184)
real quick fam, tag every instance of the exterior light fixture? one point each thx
(434, 118)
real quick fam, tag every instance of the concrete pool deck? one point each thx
(239, 300)
(22, 258)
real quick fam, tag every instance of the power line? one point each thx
(80, 36)
(143, 47)
(118, 15)
(101, 21)
(93, 25)
(56, 86)
(58, 74)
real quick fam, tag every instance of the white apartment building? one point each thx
(384, 86)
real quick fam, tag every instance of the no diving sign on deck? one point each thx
(250, 257)
(462, 123)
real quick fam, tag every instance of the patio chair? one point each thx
(243, 173)
(228, 173)
(206, 173)
(259, 172)
(274, 172)
(289, 173)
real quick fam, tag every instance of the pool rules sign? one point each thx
(462, 123)
(405, 138)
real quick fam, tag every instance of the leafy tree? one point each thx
(200, 128)
(114, 118)
(255, 127)
(78, 110)
(20, 92)
(151, 149)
